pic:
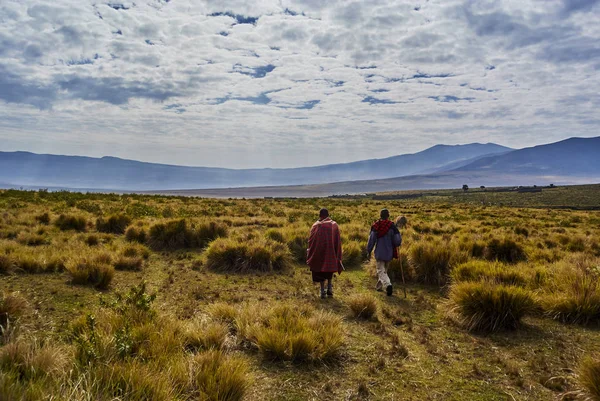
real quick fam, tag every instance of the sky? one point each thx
(286, 83)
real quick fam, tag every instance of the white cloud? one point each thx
(288, 83)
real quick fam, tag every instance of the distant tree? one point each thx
(465, 188)
(551, 185)
(482, 187)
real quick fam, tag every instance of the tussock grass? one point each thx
(32, 239)
(179, 234)
(136, 234)
(31, 360)
(589, 378)
(275, 235)
(43, 218)
(286, 332)
(353, 254)
(12, 306)
(6, 264)
(433, 260)
(573, 294)
(363, 306)
(482, 306)
(67, 222)
(223, 312)
(92, 240)
(256, 255)
(504, 250)
(92, 269)
(116, 224)
(219, 377)
(210, 335)
(476, 270)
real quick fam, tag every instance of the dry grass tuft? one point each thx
(255, 255)
(219, 377)
(589, 378)
(68, 222)
(363, 306)
(483, 306)
(93, 269)
(433, 260)
(504, 250)
(179, 234)
(116, 224)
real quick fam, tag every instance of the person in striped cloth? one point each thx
(385, 238)
(324, 253)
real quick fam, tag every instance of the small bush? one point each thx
(363, 306)
(432, 261)
(67, 222)
(589, 378)
(95, 270)
(486, 307)
(505, 250)
(177, 235)
(43, 218)
(114, 224)
(227, 255)
(134, 234)
(219, 377)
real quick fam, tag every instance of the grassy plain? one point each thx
(138, 297)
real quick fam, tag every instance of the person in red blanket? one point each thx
(324, 253)
(386, 239)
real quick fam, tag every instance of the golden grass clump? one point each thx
(32, 239)
(95, 269)
(504, 250)
(116, 224)
(478, 270)
(573, 292)
(136, 234)
(219, 377)
(43, 218)
(353, 254)
(12, 306)
(482, 306)
(275, 235)
(363, 306)
(433, 260)
(179, 234)
(589, 378)
(210, 335)
(6, 264)
(292, 333)
(67, 222)
(255, 255)
(223, 312)
(31, 360)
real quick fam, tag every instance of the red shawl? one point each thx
(324, 253)
(381, 227)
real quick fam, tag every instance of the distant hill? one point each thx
(571, 157)
(110, 173)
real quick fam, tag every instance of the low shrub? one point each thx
(433, 260)
(476, 270)
(230, 255)
(573, 294)
(95, 270)
(134, 234)
(589, 378)
(68, 222)
(116, 224)
(363, 306)
(505, 250)
(219, 377)
(482, 306)
(177, 235)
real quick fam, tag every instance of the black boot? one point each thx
(389, 290)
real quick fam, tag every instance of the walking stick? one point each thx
(403, 281)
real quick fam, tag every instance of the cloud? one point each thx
(186, 81)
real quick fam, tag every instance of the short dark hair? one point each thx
(384, 214)
(323, 213)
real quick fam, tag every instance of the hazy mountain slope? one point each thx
(574, 156)
(24, 168)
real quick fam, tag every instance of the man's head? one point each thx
(384, 214)
(323, 213)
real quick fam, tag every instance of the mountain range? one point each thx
(571, 161)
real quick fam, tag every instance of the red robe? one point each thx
(324, 253)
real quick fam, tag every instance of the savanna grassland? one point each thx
(132, 297)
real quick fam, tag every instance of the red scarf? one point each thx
(381, 227)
